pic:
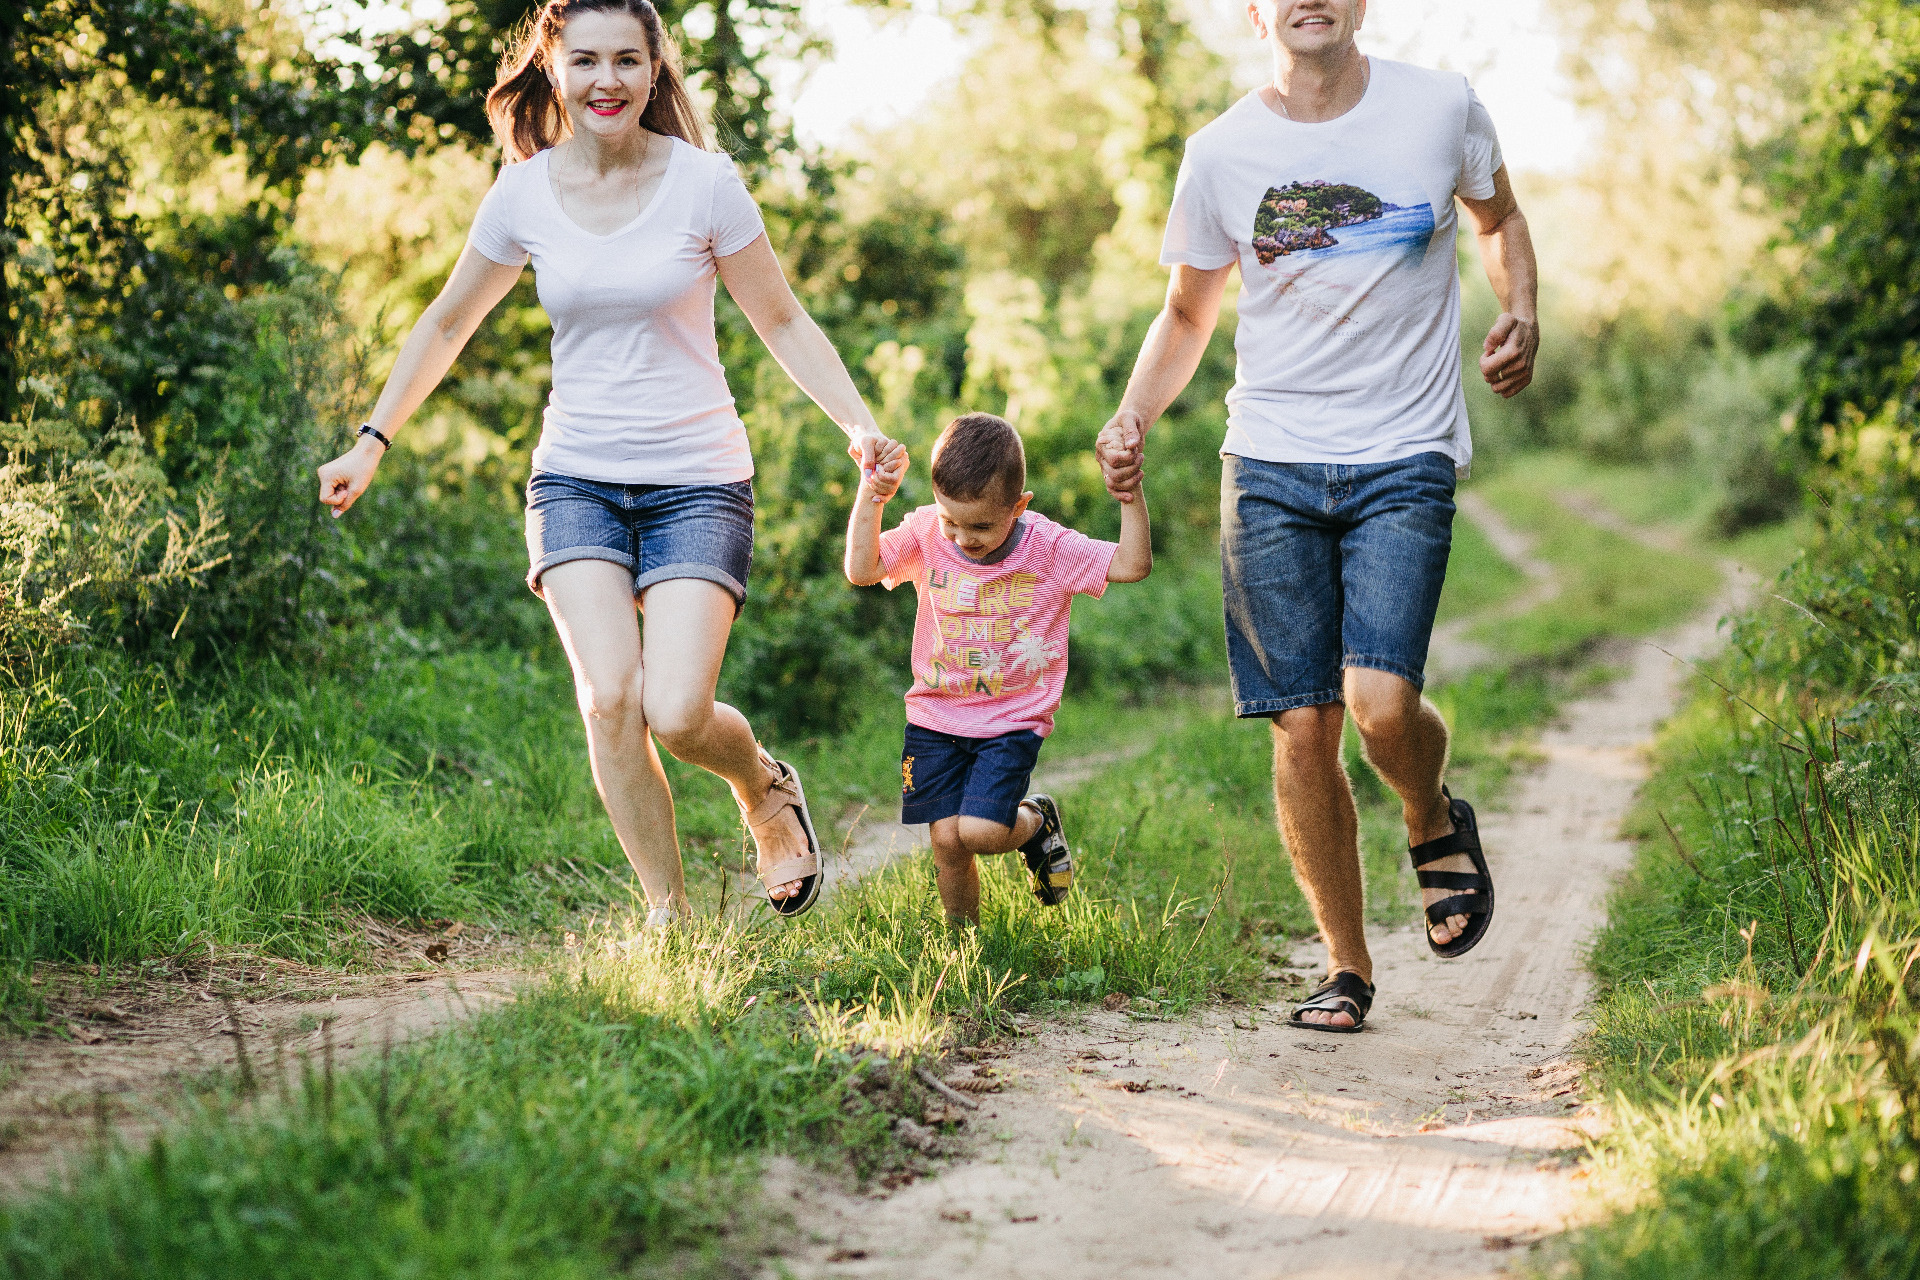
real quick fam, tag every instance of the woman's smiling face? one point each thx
(602, 72)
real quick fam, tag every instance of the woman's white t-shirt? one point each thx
(1349, 330)
(639, 395)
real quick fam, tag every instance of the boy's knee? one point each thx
(983, 836)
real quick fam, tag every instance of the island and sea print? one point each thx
(1303, 217)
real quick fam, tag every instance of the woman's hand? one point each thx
(345, 478)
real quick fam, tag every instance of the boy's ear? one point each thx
(1021, 505)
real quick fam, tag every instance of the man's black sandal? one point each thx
(1476, 906)
(1345, 992)
(1047, 854)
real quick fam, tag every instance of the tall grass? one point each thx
(1761, 968)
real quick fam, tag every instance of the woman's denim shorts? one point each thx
(658, 531)
(1327, 566)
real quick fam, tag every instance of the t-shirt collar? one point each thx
(1002, 551)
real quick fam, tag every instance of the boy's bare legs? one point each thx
(957, 841)
(1406, 743)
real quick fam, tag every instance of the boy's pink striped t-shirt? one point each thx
(990, 640)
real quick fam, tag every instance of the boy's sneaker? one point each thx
(1047, 854)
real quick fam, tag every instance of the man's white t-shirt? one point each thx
(639, 395)
(1349, 334)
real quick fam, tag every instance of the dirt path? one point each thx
(1433, 1145)
(137, 1050)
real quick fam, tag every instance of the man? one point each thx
(1333, 188)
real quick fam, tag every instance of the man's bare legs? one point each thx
(632, 690)
(957, 841)
(1406, 743)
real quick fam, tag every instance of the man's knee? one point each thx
(678, 722)
(1383, 705)
(1308, 732)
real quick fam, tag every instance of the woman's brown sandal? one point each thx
(786, 793)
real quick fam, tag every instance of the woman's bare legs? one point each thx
(633, 689)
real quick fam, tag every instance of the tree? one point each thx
(1855, 177)
(77, 257)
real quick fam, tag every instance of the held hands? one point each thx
(1506, 358)
(883, 462)
(1120, 448)
(343, 480)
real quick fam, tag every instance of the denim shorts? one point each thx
(658, 531)
(943, 774)
(1326, 566)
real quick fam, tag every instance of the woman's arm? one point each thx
(754, 278)
(475, 288)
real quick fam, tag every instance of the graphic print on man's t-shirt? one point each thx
(1301, 217)
(983, 642)
(1323, 240)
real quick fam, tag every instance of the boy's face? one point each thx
(978, 526)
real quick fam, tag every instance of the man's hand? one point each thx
(1506, 358)
(1120, 446)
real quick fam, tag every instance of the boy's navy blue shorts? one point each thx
(943, 774)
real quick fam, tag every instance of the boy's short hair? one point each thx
(979, 455)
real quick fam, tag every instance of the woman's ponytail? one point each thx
(527, 116)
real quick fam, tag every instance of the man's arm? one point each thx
(1167, 361)
(1134, 560)
(1506, 251)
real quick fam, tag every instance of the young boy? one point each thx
(996, 583)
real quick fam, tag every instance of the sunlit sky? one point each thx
(885, 67)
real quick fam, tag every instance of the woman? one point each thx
(641, 489)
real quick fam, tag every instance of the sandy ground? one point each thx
(1440, 1142)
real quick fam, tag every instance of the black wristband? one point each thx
(366, 429)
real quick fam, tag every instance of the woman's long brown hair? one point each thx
(527, 116)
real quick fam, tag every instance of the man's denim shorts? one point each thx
(944, 774)
(658, 531)
(1327, 566)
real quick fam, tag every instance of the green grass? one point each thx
(1611, 585)
(1479, 578)
(611, 1122)
(594, 1128)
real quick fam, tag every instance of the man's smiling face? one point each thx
(1308, 27)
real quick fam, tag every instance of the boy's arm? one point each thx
(1134, 560)
(863, 538)
(862, 565)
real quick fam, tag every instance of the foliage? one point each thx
(1853, 178)
(89, 535)
(84, 80)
